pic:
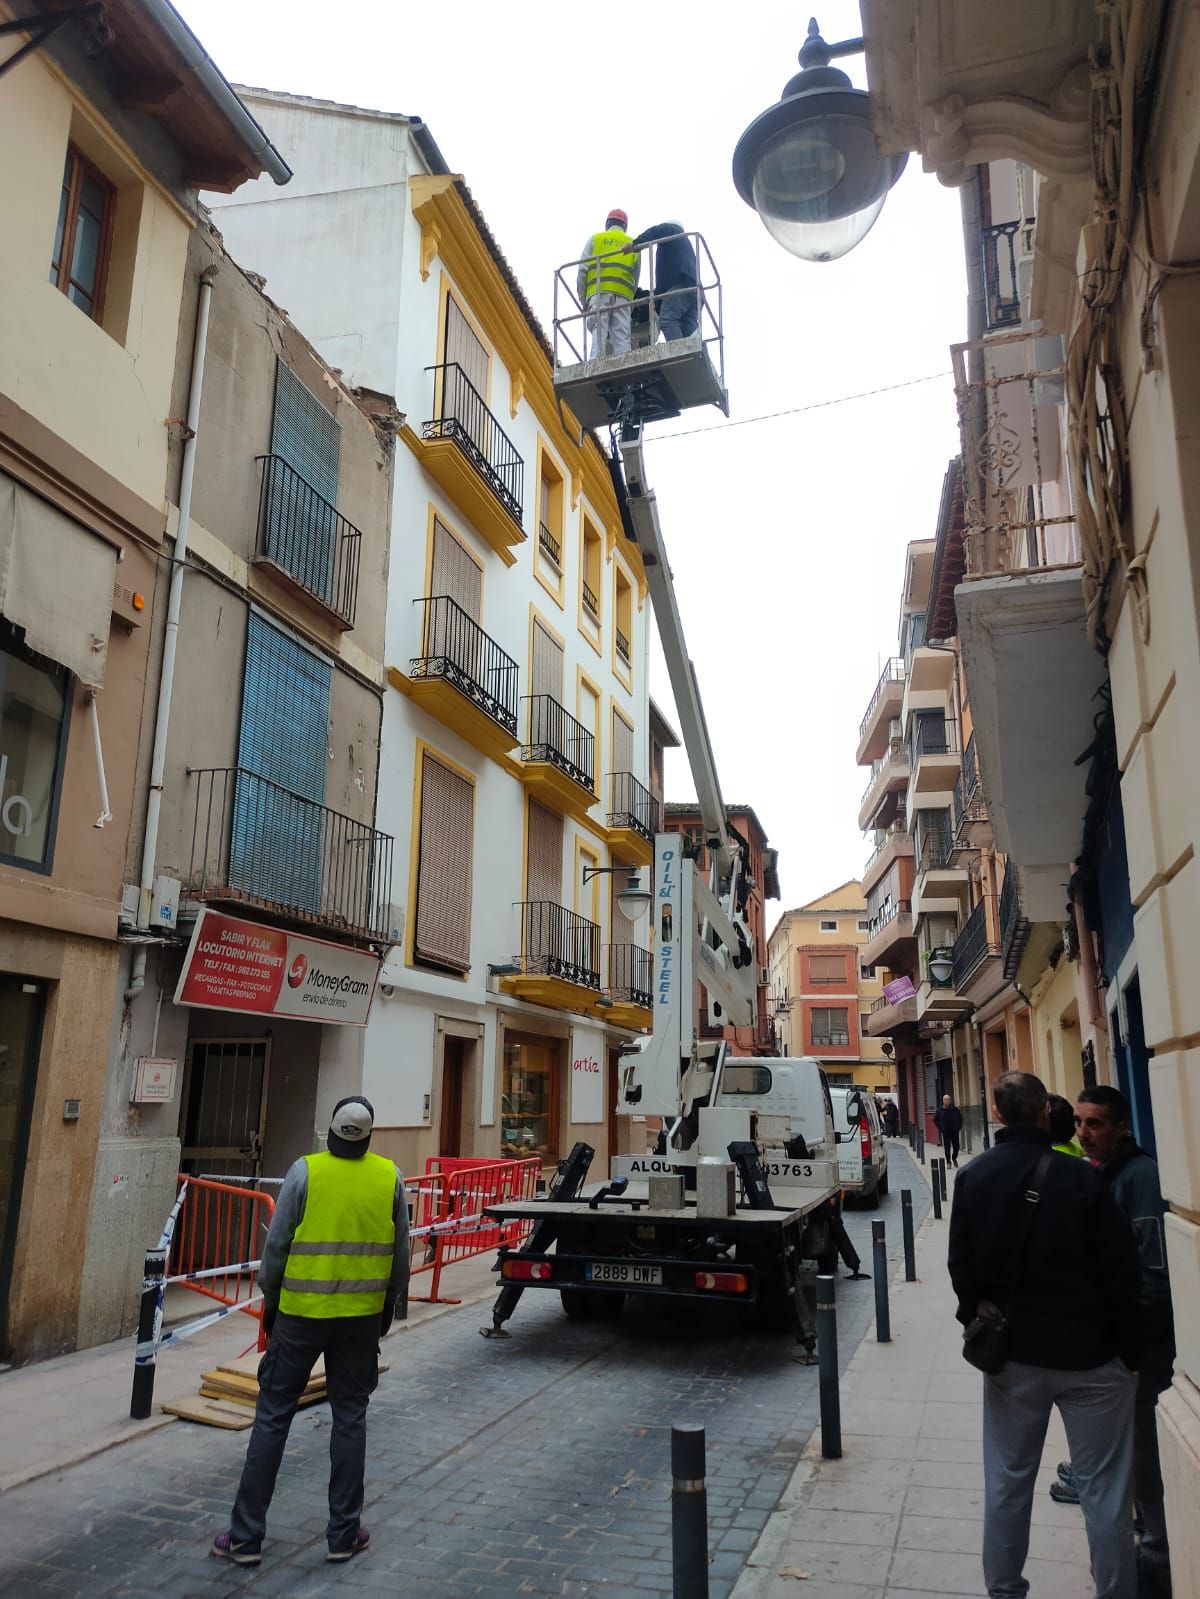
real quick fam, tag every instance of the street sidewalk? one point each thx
(900, 1515)
(61, 1411)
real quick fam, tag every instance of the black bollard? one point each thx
(942, 1170)
(910, 1248)
(827, 1362)
(937, 1193)
(912, 1135)
(883, 1315)
(141, 1402)
(920, 1146)
(689, 1514)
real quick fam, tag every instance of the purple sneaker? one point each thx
(356, 1546)
(242, 1554)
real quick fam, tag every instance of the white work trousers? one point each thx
(608, 323)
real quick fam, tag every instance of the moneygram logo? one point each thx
(297, 974)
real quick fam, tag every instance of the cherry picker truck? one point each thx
(740, 1198)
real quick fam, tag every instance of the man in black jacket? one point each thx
(948, 1121)
(1102, 1122)
(1070, 1294)
(676, 296)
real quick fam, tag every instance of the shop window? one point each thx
(33, 728)
(529, 1100)
(83, 237)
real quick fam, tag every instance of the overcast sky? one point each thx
(787, 536)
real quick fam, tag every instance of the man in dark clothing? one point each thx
(948, 1121)
(676, 296)
(334, 1274)
(891, 1117)
(1073, 1335)
(1102, 1121)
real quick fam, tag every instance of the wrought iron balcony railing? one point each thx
(623, 649)
(464, 417)
(969, 803)
(898, 829)
(556, 942)
(631, 805)
(556, 737)
(629, 975)
(936, 844)
(934, 735)
(455, 647)
(309, 539)
(256, 842)
(549, 545)
(1001, 284)
(590, 603)
(1014, 926)
(893, 672)
(888, 914)
(972, 946)
(897, 750)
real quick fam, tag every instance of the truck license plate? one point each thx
(620, 1271)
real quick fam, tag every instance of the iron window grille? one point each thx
(300, 532)
(549, 545)
(590, 603)
(623, 649)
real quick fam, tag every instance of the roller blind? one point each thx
(444, 869)
(544, 868)
(827, 968)
(547, 663)
(454, 572)
(622, 743)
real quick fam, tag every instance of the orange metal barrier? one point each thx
(218, 1242)
(446, 1208)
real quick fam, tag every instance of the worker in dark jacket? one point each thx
(1102, 1121)
(334, 1274)
(947, 1118)
(1073, 1336)
(676, 294)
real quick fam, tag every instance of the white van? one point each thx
(861, 1152)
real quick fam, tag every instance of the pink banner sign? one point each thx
(898, 990)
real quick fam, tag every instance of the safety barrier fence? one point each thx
(447, 1208)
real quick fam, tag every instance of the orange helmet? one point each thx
(619, 216)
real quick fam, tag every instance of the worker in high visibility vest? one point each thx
(607, 281)
(334, 1274)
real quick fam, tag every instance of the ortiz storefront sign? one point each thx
(246, 966)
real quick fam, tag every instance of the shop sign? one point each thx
(587, 1075)
(235, 965)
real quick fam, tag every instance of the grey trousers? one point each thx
(350, 1345)
(1097, 1411)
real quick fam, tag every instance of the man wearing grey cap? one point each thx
(334, 1274)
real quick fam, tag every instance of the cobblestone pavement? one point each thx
(495, 1469)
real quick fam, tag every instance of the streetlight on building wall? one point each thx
(809, 165)
(632, 898)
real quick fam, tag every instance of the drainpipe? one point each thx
(162, 720)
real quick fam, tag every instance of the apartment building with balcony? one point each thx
(1082, 598)
(99, 210)
(515, 745)
(824, 987)
(761, 869)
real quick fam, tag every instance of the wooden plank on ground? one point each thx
(212, 1413)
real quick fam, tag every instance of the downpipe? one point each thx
(166, 681)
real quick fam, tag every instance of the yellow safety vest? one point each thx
(612, 267)
(341, 1254)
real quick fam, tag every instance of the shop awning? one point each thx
(56, 582)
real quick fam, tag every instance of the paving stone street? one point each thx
(534, 1466)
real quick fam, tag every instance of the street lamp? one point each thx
(633, 899)
(941, 966)
(809, 165)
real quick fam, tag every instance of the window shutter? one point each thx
(827, 968)
(547, 664)
(464, 348)
(622, 743)
(454, 572)
(301, 534)
(306, 434)
(544, 869)
(444, 867)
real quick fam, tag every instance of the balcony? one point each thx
(889, 936)
(972, 826)
(1014, 925)
(942, 877)
(311, 548)
(549, 546)
(936, 757)
(559, 757)
(630, 977)
(1000, 245)
(559, 959)
(472, 460)
(887, 782)
(883, 709)
(978, 972)
(887, 1017)
(895, 845)
(464, 678)
(939, 1003)
(623, 649)
(632, 818)
(591, 603)
(257, 843)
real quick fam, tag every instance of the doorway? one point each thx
(225, 1106)
(21, 1007)
(454, 1071)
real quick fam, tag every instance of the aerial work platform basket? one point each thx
(663, 375)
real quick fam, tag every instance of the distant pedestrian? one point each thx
(1062, 1126)
(1102, 1118)
(334, 1274)
(947, 1118)
(676, 292)
(891, 1118)
(1065, 1277)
